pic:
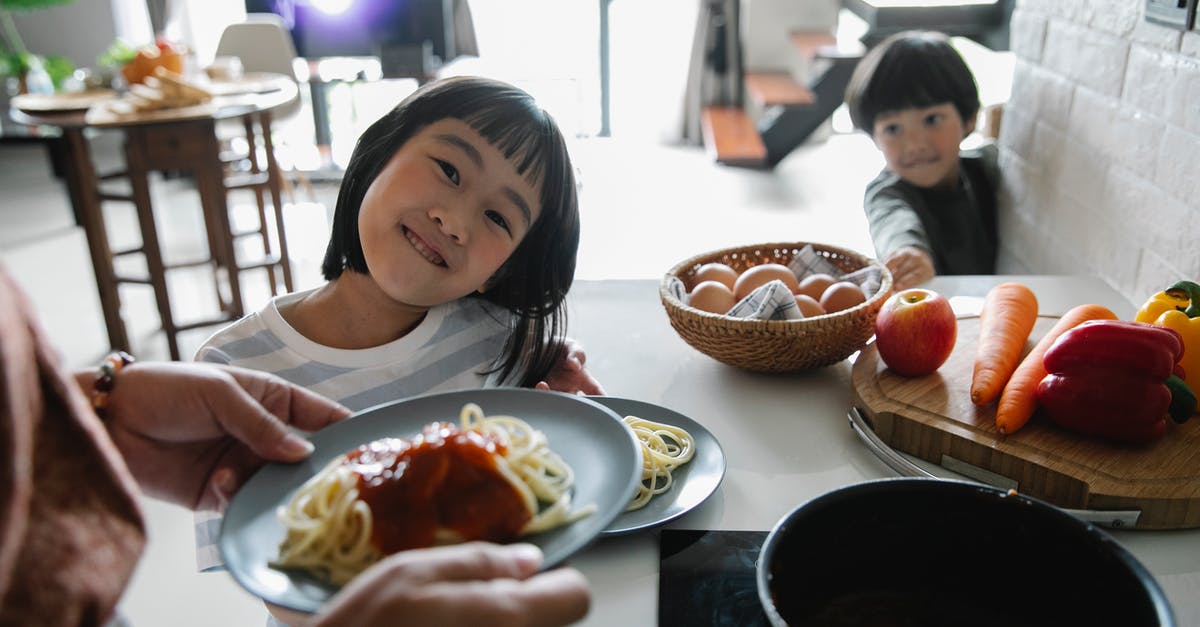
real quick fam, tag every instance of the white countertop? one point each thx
(786, 437)
(786, 440)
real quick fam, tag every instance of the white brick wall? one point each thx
(1100, 146)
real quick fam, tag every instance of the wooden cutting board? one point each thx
(932, 418)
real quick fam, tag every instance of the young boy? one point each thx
(933, 208)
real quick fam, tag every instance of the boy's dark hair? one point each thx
(535, 279)
(908, 70)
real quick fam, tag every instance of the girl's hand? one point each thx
(466, 584)
(569, 375)
(192, 433)
(910, 266)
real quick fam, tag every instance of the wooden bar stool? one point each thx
(192, 146)
(176, 140)
(262, 179)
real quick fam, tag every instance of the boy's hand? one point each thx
(910, 266)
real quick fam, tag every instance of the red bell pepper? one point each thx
(1114, 379)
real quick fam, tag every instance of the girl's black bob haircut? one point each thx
(535, 279)
(912, 69)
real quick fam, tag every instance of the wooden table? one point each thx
(183, 140)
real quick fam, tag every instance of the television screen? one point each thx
(354, 28)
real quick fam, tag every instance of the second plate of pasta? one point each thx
(690, 482)
(602, 457)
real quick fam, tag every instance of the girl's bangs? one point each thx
(526, 141)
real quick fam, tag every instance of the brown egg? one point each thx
(712, 296)
(841, 295)
(809, 306)
(814, 285)
(717, 272)
(755, 276)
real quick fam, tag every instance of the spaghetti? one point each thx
(664, 448)
(488, 478)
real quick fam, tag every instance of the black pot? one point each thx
(934, 552)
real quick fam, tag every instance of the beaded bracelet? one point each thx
(106, 376)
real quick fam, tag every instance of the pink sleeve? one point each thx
(70, 524)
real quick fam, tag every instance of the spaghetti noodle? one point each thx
(664, 448)
(488, 478)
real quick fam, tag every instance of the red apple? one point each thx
(915, 332)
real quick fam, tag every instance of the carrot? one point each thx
(1008, 314)
(1018, 400)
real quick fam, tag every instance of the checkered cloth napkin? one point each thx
(807, 262)
(774, 301)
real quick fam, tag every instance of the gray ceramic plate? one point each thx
(591, 438)
(694, 481)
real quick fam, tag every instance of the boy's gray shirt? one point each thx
(957, 226)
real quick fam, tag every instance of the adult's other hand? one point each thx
(467, 584)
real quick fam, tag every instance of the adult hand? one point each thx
(467, 584)
(910, 266)
(569, 375)
(192, 433)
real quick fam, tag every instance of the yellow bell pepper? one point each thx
(1178, 307)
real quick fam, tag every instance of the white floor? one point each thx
(645, 207)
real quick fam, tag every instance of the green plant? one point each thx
(119, 53)
(15, 58)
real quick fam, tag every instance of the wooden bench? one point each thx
(769, 89)
(731, 137)
(822, 45)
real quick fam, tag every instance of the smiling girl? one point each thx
(453, 247)
(933, 208)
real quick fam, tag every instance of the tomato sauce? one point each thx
(444, 478)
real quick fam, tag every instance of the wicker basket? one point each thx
(775, 345)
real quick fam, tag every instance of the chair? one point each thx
(263, 44)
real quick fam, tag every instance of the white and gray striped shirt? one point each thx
(448, 350)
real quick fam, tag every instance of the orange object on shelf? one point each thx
(163, 54)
